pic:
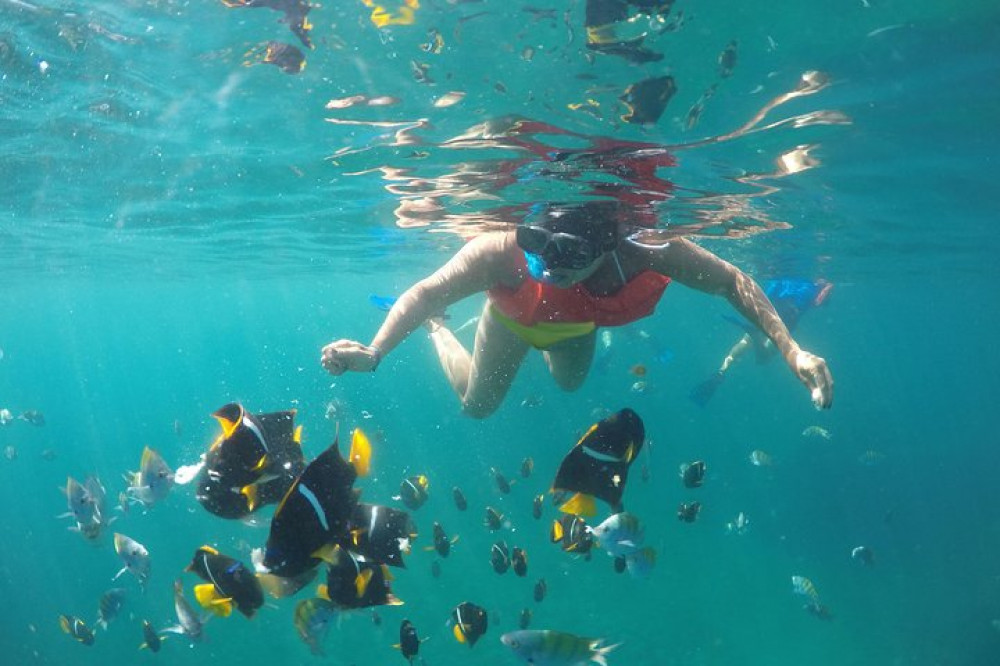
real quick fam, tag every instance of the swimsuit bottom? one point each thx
(544, 334)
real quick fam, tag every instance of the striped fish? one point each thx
(543, 647)
(804, 586)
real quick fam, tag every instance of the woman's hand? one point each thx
(342, 355)
(812, 371)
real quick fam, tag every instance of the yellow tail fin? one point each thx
(580, 505)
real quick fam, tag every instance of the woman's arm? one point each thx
(698, 268)
(482, 263)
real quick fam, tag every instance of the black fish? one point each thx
(413, 491)
(536, 506)
(727, 60)
(527, 465)
(572, 532)
(524, 621)
(470, 622)
(519, 560)
(315, 513)
(228, 583)
(493, 520)
(353, 582)
(381, 534)
(253, 462)
(459, 498)
(502, 483)
(620, 564)
(442, 543)
(693, 474)
(688, 512)
(150, 638)
(409, 642)
(79, 630)
(436, 569)
(647, 99)
(500, 557)
(541, 587)
(376, 618)
(597, 466)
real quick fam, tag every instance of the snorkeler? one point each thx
(551, 283)
(791, 298)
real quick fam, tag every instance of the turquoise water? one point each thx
(180, 231)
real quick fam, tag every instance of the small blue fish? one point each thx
(556, 648)
(383, 303)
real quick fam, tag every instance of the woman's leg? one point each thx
(569, 360)
(482, 379)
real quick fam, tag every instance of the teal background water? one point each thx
(173, 237)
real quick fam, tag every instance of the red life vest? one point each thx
(535, 302)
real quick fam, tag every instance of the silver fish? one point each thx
(135, 557)
(152, 482)
(188, 622)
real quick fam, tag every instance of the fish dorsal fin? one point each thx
(209, 550)
(148, 456)
(229, 417)
(587, 434)
(580, 505)
(459, 634)
(361, 452)
(361, 581)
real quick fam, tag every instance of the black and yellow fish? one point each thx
(536, 506)
(413, 491)
(493, 519)
(151, 640)
(409, 641)
(572, 533)
(381, 533)
(646, 100)
(500, 557)
(228, 584)
(541, 587)
(693, 474)
(77, 628)
(527, 465)
(688, 512)
(469, 622)
(252, 463)
(502, 483)
(597, 466)
(314, 514)
(519, 561)
(442, 542)
(353, 582)
(460, 503)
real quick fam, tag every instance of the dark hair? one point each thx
(597, 221)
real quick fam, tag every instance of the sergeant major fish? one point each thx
(555, 648)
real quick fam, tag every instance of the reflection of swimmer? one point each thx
(551, 284)
(792, 298)
(295, 14)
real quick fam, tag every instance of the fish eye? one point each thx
(514, 644)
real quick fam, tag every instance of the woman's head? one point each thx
(566, 241)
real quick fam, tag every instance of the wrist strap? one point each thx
(378, 357)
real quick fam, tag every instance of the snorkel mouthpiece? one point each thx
(536, 267)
